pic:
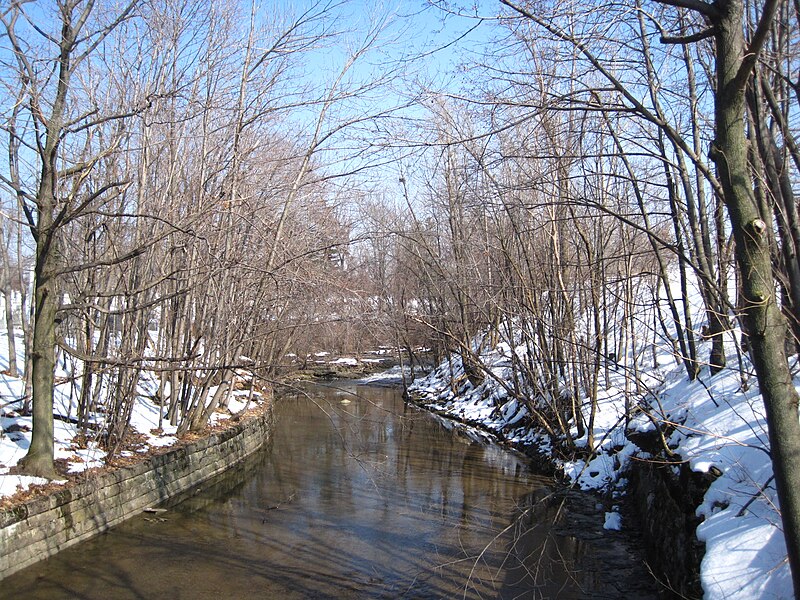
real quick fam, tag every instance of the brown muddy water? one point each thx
(359, 496)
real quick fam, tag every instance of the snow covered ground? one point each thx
(15, 432)
(392, 376)
(719, 426)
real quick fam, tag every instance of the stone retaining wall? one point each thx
(663, 505)
(666, 503)
(41, 527)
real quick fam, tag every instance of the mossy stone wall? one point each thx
(43, 526)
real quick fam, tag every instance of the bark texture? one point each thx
(764, 323)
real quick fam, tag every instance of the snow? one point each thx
(11, 484)
(613, 521)
(144, 420)
(345, 362)
(80, 456)
(390, 376)
(719, 429)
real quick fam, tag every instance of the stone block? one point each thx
(41, 527)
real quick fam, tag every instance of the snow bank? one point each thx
(717, 424)
(79, 455)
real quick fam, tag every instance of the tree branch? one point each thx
(674, 136)
(689, 39)
(704, 8)
(756, 43)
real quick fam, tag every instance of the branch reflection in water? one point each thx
(359, 496)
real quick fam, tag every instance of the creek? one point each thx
(358, 496)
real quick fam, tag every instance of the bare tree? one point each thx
(49, 205)
(735, 60)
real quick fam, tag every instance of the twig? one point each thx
(754, 496)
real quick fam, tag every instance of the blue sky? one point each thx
(423, 43)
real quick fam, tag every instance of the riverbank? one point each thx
(695, 454)
(601, 519)
(78, 455)
(361, 496)
(53, 517)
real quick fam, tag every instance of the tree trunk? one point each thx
(39, 459)
(764, 323)
(12, 342)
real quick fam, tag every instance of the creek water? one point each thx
(359, 496)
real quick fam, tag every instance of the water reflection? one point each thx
(361, 496)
